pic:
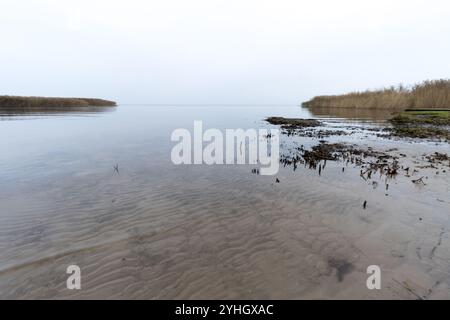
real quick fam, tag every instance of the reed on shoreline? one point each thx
(429, 94)
(34, 102)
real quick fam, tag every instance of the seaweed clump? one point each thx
(293, 123)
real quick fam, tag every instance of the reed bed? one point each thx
(35, 102)
(430, 94)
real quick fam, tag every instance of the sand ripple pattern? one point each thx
(164, 232)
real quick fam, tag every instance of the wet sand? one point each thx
(159, 231)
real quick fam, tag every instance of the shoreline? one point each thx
(36, 102)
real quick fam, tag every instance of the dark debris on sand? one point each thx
(369, 160)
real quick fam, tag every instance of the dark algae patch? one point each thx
(293, 123)
(406, 131)
(323, 151)
(369, 160)
(342, 268)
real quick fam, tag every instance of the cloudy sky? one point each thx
(219, 51)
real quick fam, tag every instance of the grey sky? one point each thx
(219, 51)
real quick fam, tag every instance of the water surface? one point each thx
(157, 230)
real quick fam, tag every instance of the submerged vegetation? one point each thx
(432, 117)
(422, 124)
(422, 132)
(429, 94)
(33, 102)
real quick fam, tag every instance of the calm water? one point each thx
(156, 230)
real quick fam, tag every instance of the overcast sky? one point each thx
(209, 51)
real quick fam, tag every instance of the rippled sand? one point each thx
(159, 231)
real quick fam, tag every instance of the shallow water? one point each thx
(157, 230)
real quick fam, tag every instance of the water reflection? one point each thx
(14, 113)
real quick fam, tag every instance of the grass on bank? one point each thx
(430, 94)
(33, 102)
